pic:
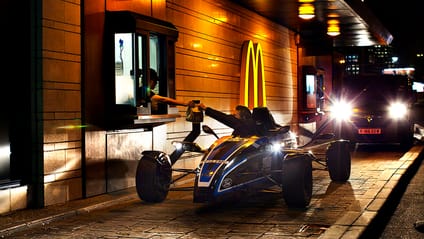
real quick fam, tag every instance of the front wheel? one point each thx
(339, 161)
(153, 177)
(297, 180)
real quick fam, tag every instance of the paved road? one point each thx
(337, 210)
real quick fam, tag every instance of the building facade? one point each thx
(77, 132)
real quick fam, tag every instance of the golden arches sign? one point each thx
(252, 73)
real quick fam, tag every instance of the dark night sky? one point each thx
(404, 20)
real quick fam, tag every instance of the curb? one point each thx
(67, 214)
(376, 227)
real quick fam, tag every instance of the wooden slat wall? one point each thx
(209, 49)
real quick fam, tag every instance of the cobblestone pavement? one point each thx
(337, 210)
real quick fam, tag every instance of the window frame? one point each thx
(144, 26)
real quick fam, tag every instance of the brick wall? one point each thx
(61, 34)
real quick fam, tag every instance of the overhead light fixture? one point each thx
(333, 27)
(306, 9)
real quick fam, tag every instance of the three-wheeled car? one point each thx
(236, 166)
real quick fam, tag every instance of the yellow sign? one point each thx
(252, 73)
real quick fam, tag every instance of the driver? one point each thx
(241, 121)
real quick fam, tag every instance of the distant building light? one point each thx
(395, 59)
(418, 86)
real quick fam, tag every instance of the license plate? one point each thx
(369, 131)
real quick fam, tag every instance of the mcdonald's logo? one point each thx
(252, 76)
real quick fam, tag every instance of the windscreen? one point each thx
(377, 90)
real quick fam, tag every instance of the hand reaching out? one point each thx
(201, 106)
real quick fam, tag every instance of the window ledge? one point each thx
(5, 184)
(155, 119)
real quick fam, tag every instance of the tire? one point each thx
(153, 178)
(297, 181)
(339, 161)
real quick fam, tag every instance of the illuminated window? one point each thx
(310, 91)
(140, 45)
(352, 64)
(131, 52)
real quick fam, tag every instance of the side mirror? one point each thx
(208, 130)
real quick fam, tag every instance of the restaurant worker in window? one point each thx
(156, 99)
(241, 121)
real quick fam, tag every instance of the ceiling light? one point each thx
(306, 11)
(333, 27)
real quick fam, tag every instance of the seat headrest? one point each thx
(260, 114)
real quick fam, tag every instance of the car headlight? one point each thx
(288, 142)
(398, 110)
(341, 110)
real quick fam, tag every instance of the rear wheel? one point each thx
(339, 161)
(153, 178)
(297, 180)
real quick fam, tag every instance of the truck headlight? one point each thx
(341, 110)
(397, 110)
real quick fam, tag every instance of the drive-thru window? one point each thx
(135, 44)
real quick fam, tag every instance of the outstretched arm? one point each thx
(228, 120)
(169, 101)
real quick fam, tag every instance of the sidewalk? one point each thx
(20, 220)
(403, 208)
(369, 221)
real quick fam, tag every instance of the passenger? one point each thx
(241, 121)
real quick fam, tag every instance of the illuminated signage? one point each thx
(399, 71)
(252, 76)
